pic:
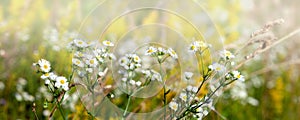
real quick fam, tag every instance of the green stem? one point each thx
(164, 87)
(128, 102)
(60, 109)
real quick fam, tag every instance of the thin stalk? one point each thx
(164, 87)
(128, 102)
(60, 109)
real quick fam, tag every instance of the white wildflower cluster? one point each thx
(173, 105)
(202, 108)
(226, 55)
(70, 101)
(86, 60)
(239, 92)
(51, 80)
(216, 67)
(130, 62)
(198, 46)
(234, 75)
(21, 94)
(152, 75)
(160, 52)
(188, 75)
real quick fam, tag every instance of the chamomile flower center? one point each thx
(136, 58)
(92, 61)
(193, 47)
(62, 81)
(150, 51)
(47, 74)
(238, 76)
(46, 66)
(77, 62)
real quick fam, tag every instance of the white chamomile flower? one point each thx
(194, 89)
(188, 75)
(89, 70)
(189, 88)
(183, 97)
(161, 51)
(124, 79)
(173, 105)
(136, 58)
(92, 62)
(156, 76)
(227, 55)
(47, 81)
(172, 53)
(238, 76)
(52, 76)
(61, 82)
(80, 43)
(77, 62)
(111, 56)
(107, 43)
(138, 83)
(132, 82)
(147, 73)
(78, 54)
(194, 47)
(216, 67)
(123, 61)
(45, 76)
(151, 50)
(44, 65)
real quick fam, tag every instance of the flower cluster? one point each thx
(160, 52)
(216, 67)
(203, 108)
(186, 96)
(152, 75)
(130, 62)
(86, 59)
(226, 55)
(235, 75)
(198, 46)
(21, 94)
(52, 80)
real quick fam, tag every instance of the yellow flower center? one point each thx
(150, 51)
(174, 106)
(92, 61)
(77, 62)
(107, 42)
(45, 66)
(47, 74)
(80, 42)
(62, 82)
(228, 54)
(184, 97)
(136, 58)
(238, 76)
(193, 47)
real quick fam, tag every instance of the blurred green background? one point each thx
(34, 29)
